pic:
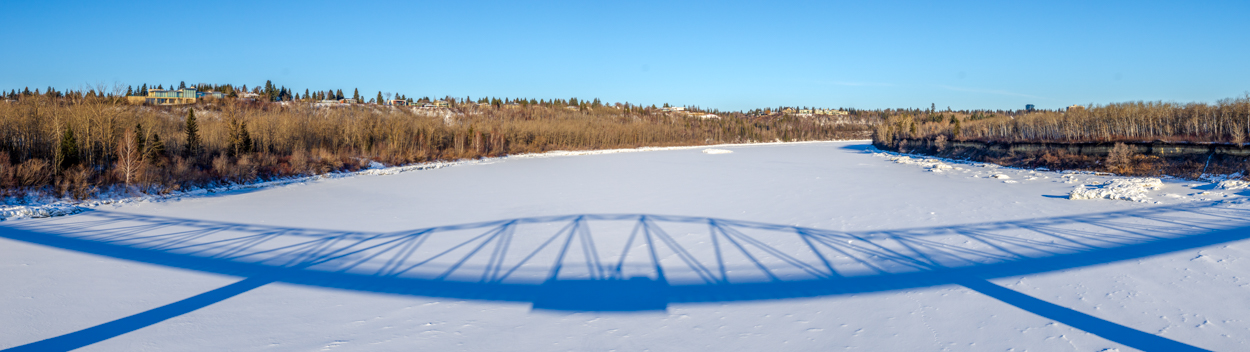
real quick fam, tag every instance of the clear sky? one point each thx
(726, 55)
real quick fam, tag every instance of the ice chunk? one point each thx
(717, 151)
(1133, 189)
(1233, 184)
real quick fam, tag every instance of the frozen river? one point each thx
(806, 246)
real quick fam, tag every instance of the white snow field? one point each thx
(784, 247)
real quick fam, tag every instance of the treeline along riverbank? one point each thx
(77, 145)
(1137, 138)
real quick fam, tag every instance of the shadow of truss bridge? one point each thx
(638, 261)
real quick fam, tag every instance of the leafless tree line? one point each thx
(82, 144)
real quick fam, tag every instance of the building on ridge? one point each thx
(173, 96)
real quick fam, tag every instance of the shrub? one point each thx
(1120, 159)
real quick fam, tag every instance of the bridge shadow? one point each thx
(637, 262)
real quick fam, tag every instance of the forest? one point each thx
(1124, 128)
(80, 143)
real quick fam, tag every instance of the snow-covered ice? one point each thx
(792, 247)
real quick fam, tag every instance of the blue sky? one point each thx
(726, 55)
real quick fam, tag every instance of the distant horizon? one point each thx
(726, 56)
(85, 88)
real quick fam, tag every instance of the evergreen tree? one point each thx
(144, 91)
(130, 91)
(306, 97)
(67, 152)
(955, 130)
(271, 91)
(156, 150)
(379, 97)
(140, 140)
(338, 95)
(182, 85)
(356, 94)
(240, 140)
(193, 135)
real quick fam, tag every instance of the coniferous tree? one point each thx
(193, 135)
(156, 150)
(379, 97)
(140, 139)
(271, 91)
(240, 140)
(182, 85)
(356, 94)
(67, 152)
(955, 131)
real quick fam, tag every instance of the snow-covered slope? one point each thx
(815, 246)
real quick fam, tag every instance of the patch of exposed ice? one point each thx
(1133, 189)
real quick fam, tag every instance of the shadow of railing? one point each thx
(637, 262)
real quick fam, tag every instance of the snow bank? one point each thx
(716, 151)
(931, 164)
(1133, 189)
(49, 210)
(1233, 184)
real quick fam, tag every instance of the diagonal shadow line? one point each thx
(689, 259)
(84, 337)
(616, 271)
(1105, 329)
(778, 254)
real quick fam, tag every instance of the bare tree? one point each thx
(129, 158)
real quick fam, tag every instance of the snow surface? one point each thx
(794, 247)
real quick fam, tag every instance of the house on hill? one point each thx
(173, 96)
